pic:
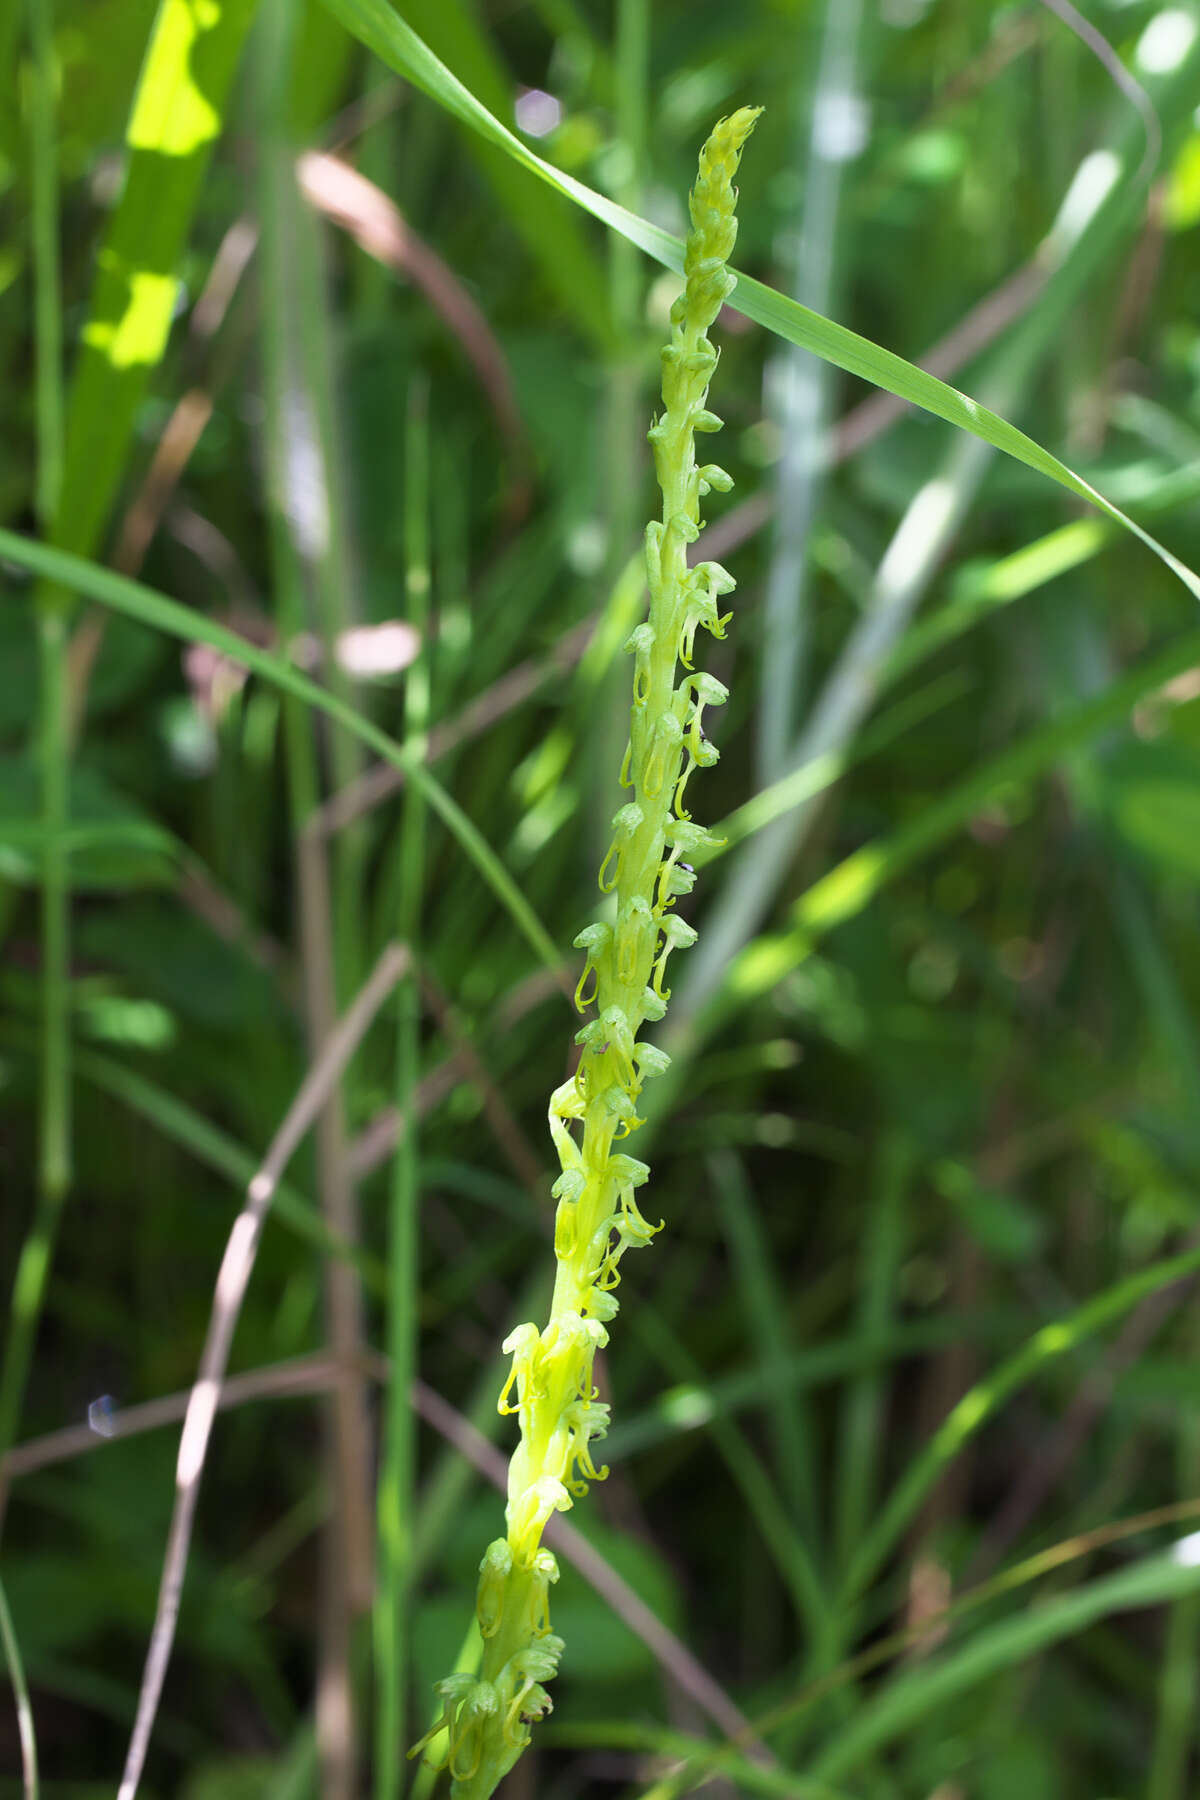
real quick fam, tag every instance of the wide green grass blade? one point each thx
(11, 12)
(1153, 1581)
(809, 250)
(315, 379)
(176, 118)
(160, 613)
(385, 33)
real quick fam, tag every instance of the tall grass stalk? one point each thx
(300, 512)
(397, 1484)
(47, 294)
(486, 1718)
(52, 749)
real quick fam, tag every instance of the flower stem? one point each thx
(486, 1718)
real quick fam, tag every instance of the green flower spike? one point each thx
(486, 1719)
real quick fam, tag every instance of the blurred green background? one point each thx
(933, 1124)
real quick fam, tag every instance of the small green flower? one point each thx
(486, 1719)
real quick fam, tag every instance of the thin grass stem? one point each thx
(53, 756)
(47, 271)
(16, 1674)
(397, 1482)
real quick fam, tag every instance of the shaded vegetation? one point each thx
(325, 387)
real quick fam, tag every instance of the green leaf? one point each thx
(165, 952)
(127, 659)
(111, 843)
(155, 610)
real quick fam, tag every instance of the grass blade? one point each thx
(397, 1482)
(390, 38)
(177, 116)
(863, 1408)
(791, 1553)
(47, 300)
(53, 756)
(16, 1674)
(550, 230)
(765, 1311)
(983, 1400)
(798, 388)
(853, 883)
(148, 607)
(181, 1125)
(980, 593)
(1151, 1582)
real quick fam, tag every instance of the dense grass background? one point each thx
(937, 1078)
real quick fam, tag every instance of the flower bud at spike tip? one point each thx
(486, 1718)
